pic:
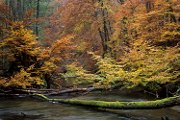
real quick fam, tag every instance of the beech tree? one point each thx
(20, 52)
(134, 43)
(151, 54)
(28, 65)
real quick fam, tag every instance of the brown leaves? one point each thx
(61, 49)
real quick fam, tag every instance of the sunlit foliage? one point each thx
(76, 76)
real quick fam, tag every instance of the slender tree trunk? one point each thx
(2, 59)
(37, 16)
(18, 10)
(48, 82)
(149, 6)
(105, 32)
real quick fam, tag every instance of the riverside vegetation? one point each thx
(56, 47)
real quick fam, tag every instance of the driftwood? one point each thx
(166, 102)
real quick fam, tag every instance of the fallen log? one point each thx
(75, 90)
(85, 90)
(57, 91)
(49, 91)
(166, 102)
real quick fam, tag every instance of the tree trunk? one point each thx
(166, 102)
(48, 81)
(105, 31)
(56, 92)
(37, 17)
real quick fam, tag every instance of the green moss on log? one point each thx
(166, 102)
(41, 96)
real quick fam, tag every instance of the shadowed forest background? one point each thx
(57, 44)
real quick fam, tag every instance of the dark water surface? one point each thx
(29, 109)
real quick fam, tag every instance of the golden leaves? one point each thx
(23, 79)
(20, 40)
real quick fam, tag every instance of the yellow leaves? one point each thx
(32, 63)
(20, 40)
(161, 78)
(62, 47)
(154, 26)
(109, 71)
(23, 79)
(65, 40)
(146, 61)
(79, 27)
(170, 36)
(82, 46)
(2, 81)
(77, 75)
(48, 67)
(53, 55)
(20, 45)
(151, 64)
(153, 58)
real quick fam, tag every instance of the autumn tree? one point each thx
(20, 52)
(53, 59)
(91, 22)
(29, 64)
(24, 58)
(148, 37)
(154, 49)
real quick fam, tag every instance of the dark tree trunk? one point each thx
(149, 6)
(48, 81)
(37, 16)
(105, 32)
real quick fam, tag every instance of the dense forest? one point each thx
(130, 45)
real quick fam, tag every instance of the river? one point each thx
(31, 109)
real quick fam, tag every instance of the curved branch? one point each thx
(166, 102)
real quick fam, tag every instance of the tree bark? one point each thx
(166, 102)
(37, 17)
(106, 30)
(56, 92)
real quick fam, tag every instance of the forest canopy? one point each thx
(99, 43)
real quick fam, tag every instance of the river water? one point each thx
(30, 109)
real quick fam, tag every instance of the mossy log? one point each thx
(166, 102)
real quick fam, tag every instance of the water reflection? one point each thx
(28, 109)
(20, 116)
